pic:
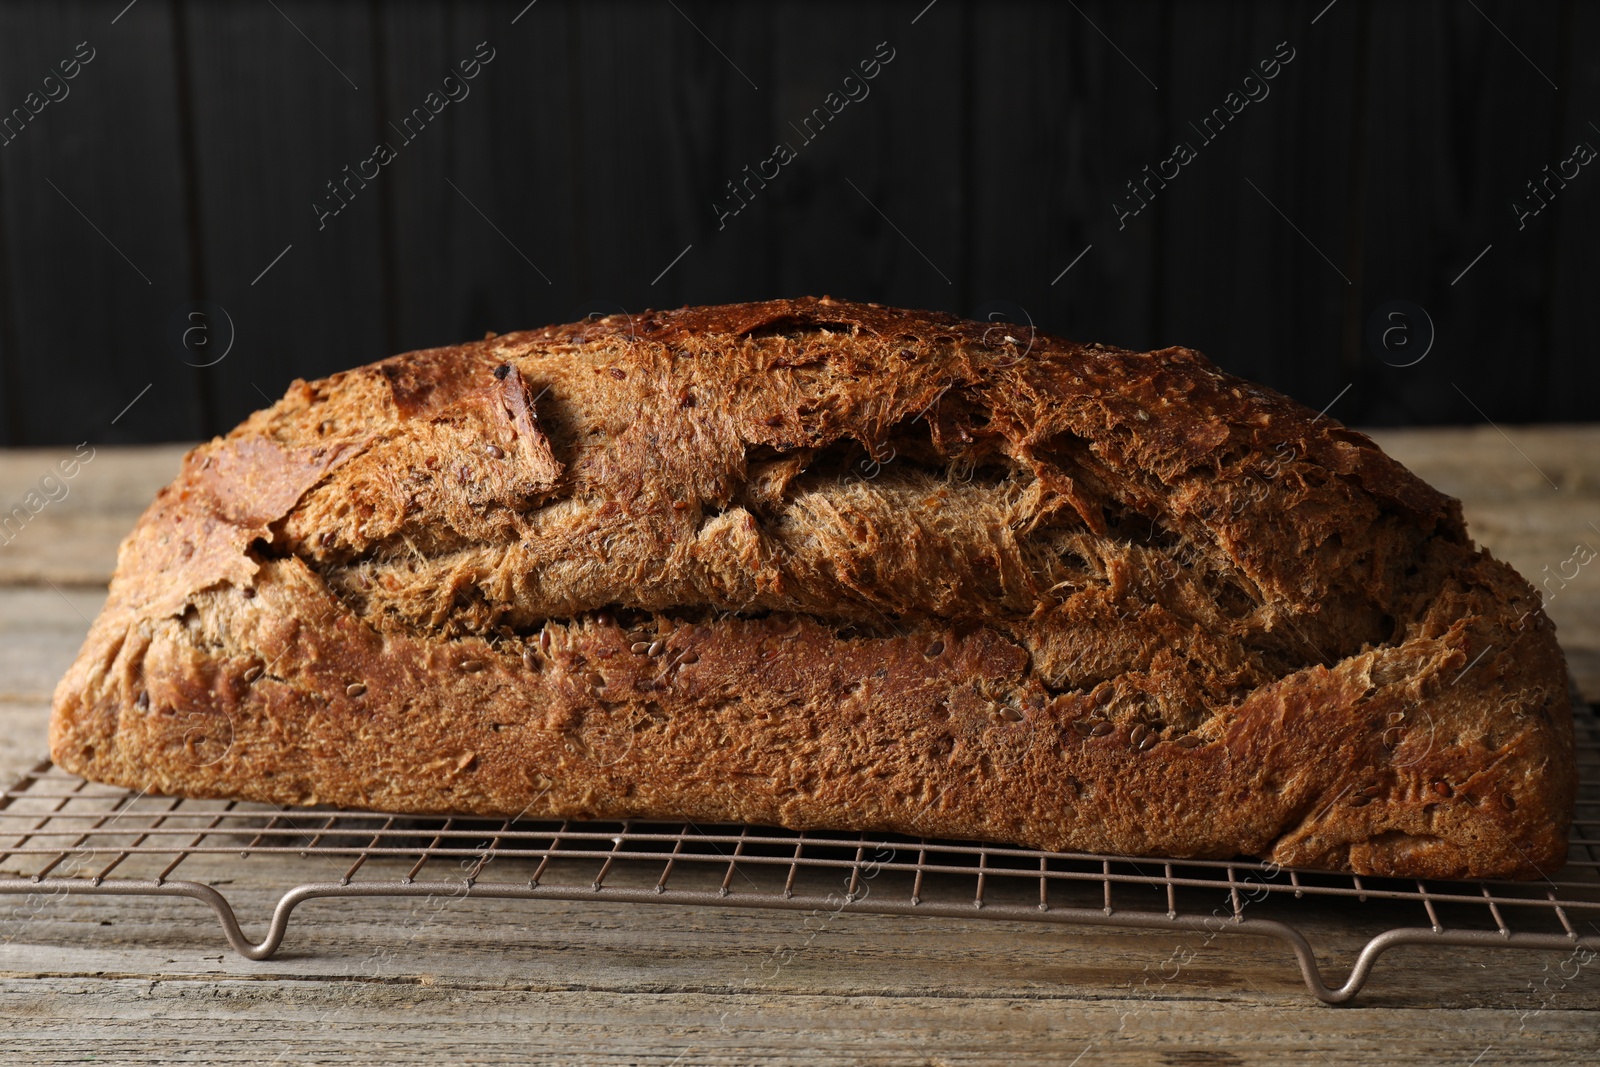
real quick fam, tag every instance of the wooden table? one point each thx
(150, 981)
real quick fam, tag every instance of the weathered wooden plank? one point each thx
(23, 736)
(543, 945)
(40, 631)
(86, 499)
(137, 1020)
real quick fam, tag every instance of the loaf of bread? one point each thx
(817, 564)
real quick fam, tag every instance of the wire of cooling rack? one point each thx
(62, 835)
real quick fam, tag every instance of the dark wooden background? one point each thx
(590, 151)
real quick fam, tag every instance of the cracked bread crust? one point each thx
(819, 564)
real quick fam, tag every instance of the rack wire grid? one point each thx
(62, 835)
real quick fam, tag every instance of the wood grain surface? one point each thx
(151, 981)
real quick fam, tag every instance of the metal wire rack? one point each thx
(62, 835)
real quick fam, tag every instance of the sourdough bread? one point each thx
(819, 564)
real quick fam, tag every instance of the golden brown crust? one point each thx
(814, 563)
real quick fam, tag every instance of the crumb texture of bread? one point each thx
(820, 564)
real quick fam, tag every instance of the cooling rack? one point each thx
(62, 835)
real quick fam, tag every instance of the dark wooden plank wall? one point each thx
(588, 155)
(1572, 315)
(85, 321)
